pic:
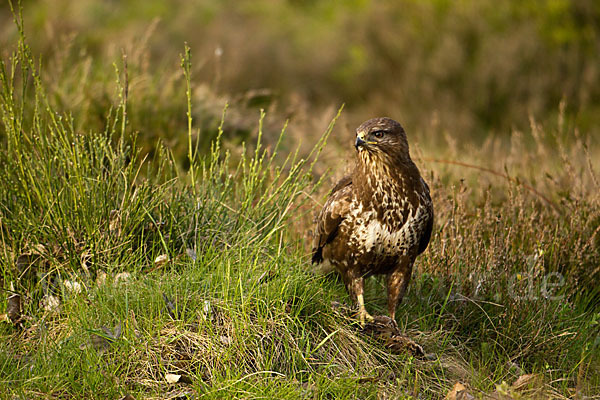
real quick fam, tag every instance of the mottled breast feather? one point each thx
(380, 217)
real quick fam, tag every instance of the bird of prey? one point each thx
(378, 219)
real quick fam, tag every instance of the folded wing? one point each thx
(331, 216)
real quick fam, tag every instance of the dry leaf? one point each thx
(161, 260)
(103, 341)
(73, 287)
(24, 261)
(100, 278)
(459, 392)
(176, 378)
(97, 342)
(13, 308)
(172, 378)
(39, 249)
(115, 334)
(525, 380)
(28, 263)
(85, 257)
(50, 303)
(123, 277)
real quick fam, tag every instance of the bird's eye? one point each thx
(378, 134)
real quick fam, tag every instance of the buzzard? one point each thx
(378, 219)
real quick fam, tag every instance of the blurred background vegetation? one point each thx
(469, 69)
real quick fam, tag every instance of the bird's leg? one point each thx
(363, 315)
(397, 284)
(358, 290)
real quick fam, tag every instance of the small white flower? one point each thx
(50, 303)
(72, 286)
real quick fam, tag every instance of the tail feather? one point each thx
(324, 267)
(317, 257)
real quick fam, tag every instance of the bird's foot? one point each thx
(364, 317)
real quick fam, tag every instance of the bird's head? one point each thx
(381, 138)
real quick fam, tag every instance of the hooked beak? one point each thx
(359, 142)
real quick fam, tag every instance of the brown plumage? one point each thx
(377, 219)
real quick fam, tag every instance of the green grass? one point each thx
(235, 308)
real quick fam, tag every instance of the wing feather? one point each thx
(429, 227)
(331, 216)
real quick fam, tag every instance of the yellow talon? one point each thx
(363, 315)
